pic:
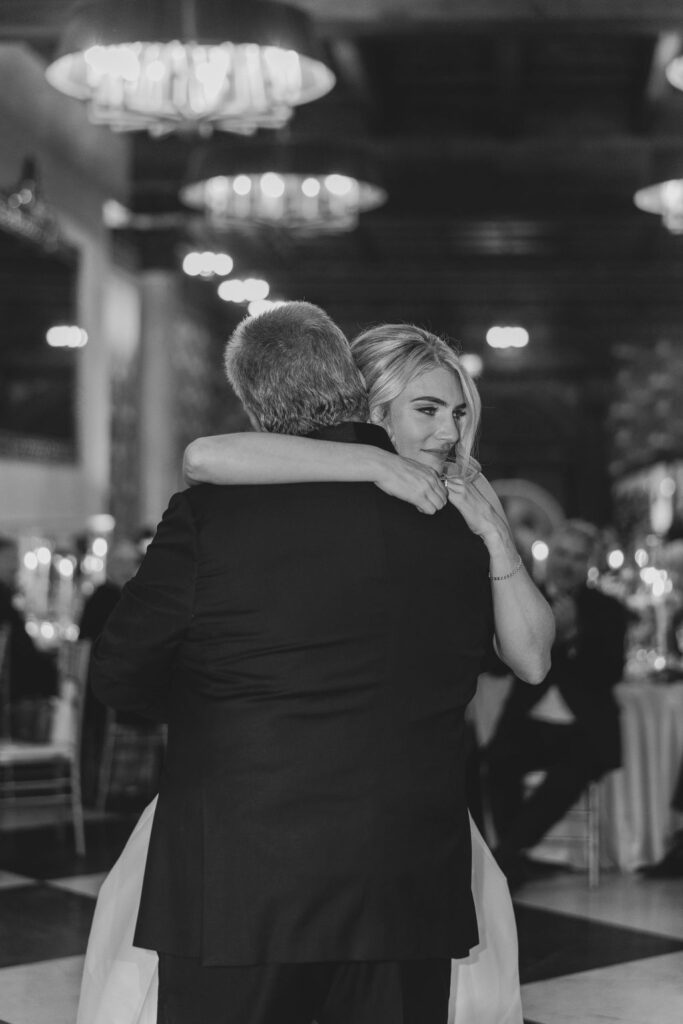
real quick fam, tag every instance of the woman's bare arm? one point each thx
(261, 458)
(523, 621)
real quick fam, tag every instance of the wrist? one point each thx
(499, 542)
(377, 464)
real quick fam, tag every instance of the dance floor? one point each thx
(614, 954)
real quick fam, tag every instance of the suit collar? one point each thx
(354, 433)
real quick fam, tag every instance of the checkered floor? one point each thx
(614, 954)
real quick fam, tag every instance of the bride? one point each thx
(420, 393)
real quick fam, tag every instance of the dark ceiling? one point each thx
(510, 135)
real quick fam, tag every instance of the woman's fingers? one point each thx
(415, 483)
(435, 495)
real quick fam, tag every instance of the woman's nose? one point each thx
(449, 431)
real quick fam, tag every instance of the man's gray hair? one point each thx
(292, 369)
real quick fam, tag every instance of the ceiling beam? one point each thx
(507, 63)
(33, 20)
(405, 15)
(43, 19)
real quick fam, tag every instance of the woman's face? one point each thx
(426, 419)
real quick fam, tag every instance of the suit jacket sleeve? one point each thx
(131, 665)
(596, 661)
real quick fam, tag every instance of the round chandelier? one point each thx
(674, 72)
(665, 196)
(304, 189)
(167, 65)
(666, 199)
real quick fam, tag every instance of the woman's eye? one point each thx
(429, 410)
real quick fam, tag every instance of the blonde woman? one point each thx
(420, 394)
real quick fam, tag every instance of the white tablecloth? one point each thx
(636, 813)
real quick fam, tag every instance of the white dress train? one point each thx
(120, 981)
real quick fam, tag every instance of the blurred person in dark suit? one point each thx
(29, 674)
(569, 725)
(123, 562)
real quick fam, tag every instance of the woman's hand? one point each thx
(479, 506)
(411, 481)
(523, 622)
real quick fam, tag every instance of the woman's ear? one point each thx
(379, 416)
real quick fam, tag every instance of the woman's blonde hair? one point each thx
(390, 356)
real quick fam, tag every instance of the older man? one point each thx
(569, 725)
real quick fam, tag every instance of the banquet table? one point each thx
(636, 817)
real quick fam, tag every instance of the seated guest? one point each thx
(29, 674)
(569, 725)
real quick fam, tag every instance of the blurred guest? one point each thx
(29, 674)
(122, 563)
(569, 725)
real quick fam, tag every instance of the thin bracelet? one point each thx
(509, 574)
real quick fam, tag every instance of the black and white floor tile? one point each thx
(613, 955)
(47, 897)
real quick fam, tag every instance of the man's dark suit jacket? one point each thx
(585, 672)
(312, 648)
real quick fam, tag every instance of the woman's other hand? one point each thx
(479, 506)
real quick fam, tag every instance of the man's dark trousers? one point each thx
(411, 992)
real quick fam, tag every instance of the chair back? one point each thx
(4, 682)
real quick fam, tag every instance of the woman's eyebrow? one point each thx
(439, 401)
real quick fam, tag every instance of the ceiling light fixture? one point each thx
(674, 72)
(666, 199)
(302, 187)
(66, 336)
(253, 289)
(207, 264)
(507, 337)
(165, 65)
(665, 196)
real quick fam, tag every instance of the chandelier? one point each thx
(303, 188)
(666, 199)
(166, 65)
(674, 72)
(665, 196)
